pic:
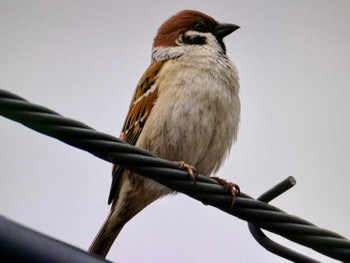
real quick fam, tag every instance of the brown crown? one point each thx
(177, 24)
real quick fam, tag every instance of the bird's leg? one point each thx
(231, 188)
(192, 171)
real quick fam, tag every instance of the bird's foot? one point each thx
(230, 187)
(192, 171)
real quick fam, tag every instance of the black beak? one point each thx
(222, 30)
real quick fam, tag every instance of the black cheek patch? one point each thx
(193, 40)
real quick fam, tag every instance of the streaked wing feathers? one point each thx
(145, 96)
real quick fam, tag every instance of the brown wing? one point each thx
(145, 96)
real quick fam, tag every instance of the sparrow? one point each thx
(185, 107)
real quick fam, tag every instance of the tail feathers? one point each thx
(107, 235)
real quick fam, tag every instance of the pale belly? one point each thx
(197, 126)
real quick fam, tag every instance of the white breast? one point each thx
(196, 116)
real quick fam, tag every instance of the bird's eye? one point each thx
(201, 26)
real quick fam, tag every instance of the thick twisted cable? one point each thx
(165, 172)
(269, 244)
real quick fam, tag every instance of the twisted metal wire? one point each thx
(267, 243)
(206, 190)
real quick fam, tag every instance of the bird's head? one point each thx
(191, 27)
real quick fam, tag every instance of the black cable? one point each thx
(267, 243)
(21, 244)
(165, 172)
